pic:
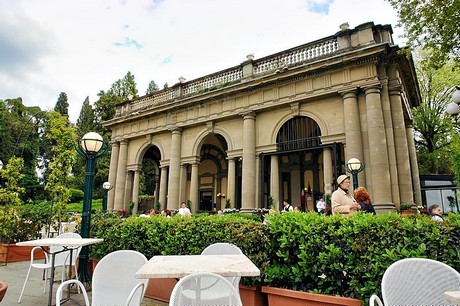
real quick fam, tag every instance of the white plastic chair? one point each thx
(61, 260)
(417, 281)
(223, 248)
(205, 289)
(114, 281)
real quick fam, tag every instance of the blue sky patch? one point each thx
(129, 42)
(320, 7)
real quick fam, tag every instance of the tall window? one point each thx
(298, 133)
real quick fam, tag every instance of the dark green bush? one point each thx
(299, 251)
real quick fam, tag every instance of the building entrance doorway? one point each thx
(206, 200)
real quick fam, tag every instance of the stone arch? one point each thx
(206, 132)
(318, 118)
(147, 145)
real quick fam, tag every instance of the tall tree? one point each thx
(86, 119)
(62, 133)
(432, 23)
(432, 125)
(62, 105)
(153, 87)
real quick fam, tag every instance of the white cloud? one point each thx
(82, 46)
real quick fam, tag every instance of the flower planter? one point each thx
(283, 297)
(160, 288)
(405, 213)
(253, 296)
(12, 253)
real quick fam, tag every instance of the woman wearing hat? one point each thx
(342, 202)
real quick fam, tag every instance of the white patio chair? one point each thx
(417, 281)
(223, 248)
(61, 260)
(205, 289)
(114, 281)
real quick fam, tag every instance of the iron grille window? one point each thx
(298, 133)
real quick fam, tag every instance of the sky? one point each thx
(82, 47)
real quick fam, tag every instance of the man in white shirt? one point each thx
(183, 210)
(321, 206)
(287, 206)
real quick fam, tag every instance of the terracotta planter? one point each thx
(284, 297)
(253, 296)
(13, 253)
(160, 288)
(405, 213)
(3, 287)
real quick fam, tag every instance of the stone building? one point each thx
(277, 127)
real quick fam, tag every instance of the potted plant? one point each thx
(407, 209)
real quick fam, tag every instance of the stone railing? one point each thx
(220, 79)
(296, 56)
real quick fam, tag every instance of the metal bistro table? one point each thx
(177, 266)
(67, 244)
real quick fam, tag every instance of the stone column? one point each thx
(380, 171)
(353, 136)
(163, 186)
(399, 130)
(231, 181)
(121, 176)
(174, 169)
(258, 182)
(388, 121)
(327, 171)
(136, 191)
(275, 181)
(414, 165)
(183, 184)
(249, 161)
(157, 189)
(128, 189)
(194, 186)
(113, 173)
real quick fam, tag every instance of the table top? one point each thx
(177, 266)
(453, 297)
(68, 242)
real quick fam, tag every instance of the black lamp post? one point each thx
(354, 166)
(107, 187)
(92, 147)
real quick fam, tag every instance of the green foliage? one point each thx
(12, 175)
(61, 132)
(76, 195)
(431, 24)
(62, 105)
(161, 236)
(23, 222)
(348, 256)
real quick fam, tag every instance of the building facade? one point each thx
(278, 127)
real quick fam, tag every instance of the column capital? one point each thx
(372, 89)
(175, 129)
(348, 93)
(249, 114)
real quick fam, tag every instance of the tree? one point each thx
(62, 105)
(62, 133)
(433, 24)
(12, 174)
(166, 86)
(433, 127)
(153, 87)
(86, 119)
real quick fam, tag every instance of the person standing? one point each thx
(342, 201)
(321, 206)
(184, 210)
(435, 212)
(287, 206)
(364, 200)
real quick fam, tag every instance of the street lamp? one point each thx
(1, 165)
(354, 166)
(92, 147)
(453, 108)
(107, 187)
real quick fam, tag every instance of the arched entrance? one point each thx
(300, 164)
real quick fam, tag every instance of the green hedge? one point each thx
(300, 251)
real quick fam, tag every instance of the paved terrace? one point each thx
(14, 274)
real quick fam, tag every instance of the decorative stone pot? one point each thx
(12, 253)
(284, 297)
(253, 296)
